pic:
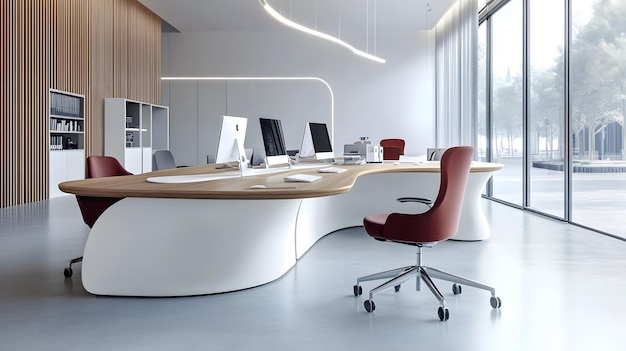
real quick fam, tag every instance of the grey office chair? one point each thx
(434, 153)
(162, 159)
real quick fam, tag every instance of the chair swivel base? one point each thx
(420, 273)
(67, 272)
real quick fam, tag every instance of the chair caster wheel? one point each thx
(358, 290)
(495, 302)
(67, 272)
(456, 289)
(397, 288)
(443, 313)
(370, 306)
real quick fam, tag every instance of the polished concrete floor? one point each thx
(562, 288)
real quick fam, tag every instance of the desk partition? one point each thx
(200, 103)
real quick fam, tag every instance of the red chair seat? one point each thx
(375, 223)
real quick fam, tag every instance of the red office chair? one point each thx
(92, 207)
(426, 229)
(392, 148)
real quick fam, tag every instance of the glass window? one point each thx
(481, 123)
(506, 102)
(595, 115)
(598, 106)
(546, 120)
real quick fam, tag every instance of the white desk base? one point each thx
(183, 247)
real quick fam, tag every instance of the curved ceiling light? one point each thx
(310, 31)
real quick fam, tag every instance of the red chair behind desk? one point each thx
(426, 229)
(92, 207)
(392, 148)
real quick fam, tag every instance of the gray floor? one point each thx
(562, 288)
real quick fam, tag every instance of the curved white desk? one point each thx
(219, 236)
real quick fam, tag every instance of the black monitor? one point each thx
(273, 141)
(321, 140)
(316, 142)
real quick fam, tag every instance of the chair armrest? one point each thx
(426, 201)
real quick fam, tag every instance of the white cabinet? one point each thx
(132, 129)
(67, 139)
(65, 165)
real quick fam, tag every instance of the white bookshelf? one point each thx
(132, 129)
(66, 139)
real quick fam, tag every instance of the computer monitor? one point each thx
(230, 146)
(316, 142)
(274, 142)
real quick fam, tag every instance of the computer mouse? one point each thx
(257, 186)
(396, 163)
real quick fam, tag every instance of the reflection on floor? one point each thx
(562, 288)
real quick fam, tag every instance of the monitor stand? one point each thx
(241, 164)
(313, 161)
(281, 160)
(227, 166)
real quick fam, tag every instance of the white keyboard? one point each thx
(306, 178)
(331, 170)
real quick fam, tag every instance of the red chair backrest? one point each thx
(104, 166)
(442, 220)
(399, 143)
(392, 148)
(97, 167)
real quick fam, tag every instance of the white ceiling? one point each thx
(330, 16)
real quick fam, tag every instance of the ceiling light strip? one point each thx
(318, 34)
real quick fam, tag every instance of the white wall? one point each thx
(395, 99)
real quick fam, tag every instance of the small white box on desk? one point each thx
(371, 153)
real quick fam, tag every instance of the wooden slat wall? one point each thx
(8, 127)
(25, 34)
(71, 54)
(97, 48)
(126, 60)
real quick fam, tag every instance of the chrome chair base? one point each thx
(421, 274)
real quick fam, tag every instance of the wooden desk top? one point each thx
(239, 188)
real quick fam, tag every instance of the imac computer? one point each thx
(274, 142)
(316, 142)
(230, 145)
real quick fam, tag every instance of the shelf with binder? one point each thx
(66, 133)
(67, 121)
(66, 138)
